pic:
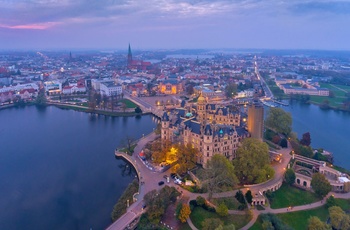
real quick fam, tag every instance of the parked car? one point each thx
(160, 183)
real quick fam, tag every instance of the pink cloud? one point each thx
(38, 26)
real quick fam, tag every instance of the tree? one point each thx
(123, 106)
(330, 202)
(249, 197)
(320, 184)
(240, 197)
(219, 173)
(226, 227)
(200, 200)
(325, 104)
(252, 162)
(138, 110)
(230, 90)
(267, 225)
(211, 223)
(222, 210)
(339, 219)
(41, 98)
(279, 120)
(314, 223)
(276, 139)
(290, 177)
(186, 157)
(284, 143)
(184, 213)
(306, 139)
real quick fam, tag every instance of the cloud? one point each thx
(38, 26)
(334, 7)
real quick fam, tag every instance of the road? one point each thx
(268, 93)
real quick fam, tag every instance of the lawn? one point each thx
(199, 214)
(291, 196)
(303, 216)
(129, 104)
(231, 202)
(339, 95)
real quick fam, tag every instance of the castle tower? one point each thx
(256, 120)
(165, 133)
(129, 56)
(201, 108)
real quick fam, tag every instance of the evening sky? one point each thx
(157, 24)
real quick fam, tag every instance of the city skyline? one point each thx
(189, 24)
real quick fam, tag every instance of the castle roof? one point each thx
(165, 117)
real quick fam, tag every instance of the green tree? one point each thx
(249, 196)
(41, 98)
(267, 225)
(186, 157)
(339, 219)
(138, 110)
(230, 90)
(252, 162)
(279, 120)
(219, 174)
(200, 200)
(222, 210)
(184, 213)
(314, 223)
(211, 223)
(226, 227)
(306, 139)
(290, 177)
(330, 202)
(320, 184)
(240, 197)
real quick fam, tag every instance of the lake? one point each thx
(58, 169)
(329, 129)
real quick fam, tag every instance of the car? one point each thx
(160, 183)
(177, 181)
(172, 175)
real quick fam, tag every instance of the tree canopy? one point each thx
(252, 162)
(185, 212)
(320, 184)
(306, 139)
(279, 120)
(314, 223)
(289, 176)
(219, 173)
(339, 219)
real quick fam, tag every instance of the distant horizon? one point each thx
(166, 49)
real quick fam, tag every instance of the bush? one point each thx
(242, 207)
(284, 143)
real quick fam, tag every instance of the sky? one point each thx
(175, 24)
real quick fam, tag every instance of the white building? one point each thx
(53, 87)
(109, 89)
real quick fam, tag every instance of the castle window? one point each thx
(207, 147)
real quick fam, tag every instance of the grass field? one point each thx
(231, 202)
(129, 104)
(339, 94)
(291, 196)
(199, 214)
(302, 216)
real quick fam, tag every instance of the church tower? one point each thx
(129, 56)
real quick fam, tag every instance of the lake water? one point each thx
(57, 167)
(329, 129)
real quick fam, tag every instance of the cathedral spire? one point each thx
(129, 56)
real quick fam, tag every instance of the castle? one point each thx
(211, 128)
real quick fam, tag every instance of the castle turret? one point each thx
(201, 108)
(165, 134)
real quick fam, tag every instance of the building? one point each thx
(53, 87)
(110, 89)
(137, 64)
(211, 128)
(170, 87)
(255, 121)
